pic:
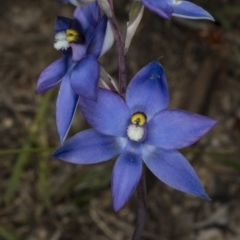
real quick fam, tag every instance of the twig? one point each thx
(122, 56)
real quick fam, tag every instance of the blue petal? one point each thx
(126, 175)
(79, 51)
(85, 76)
(88, 147)
(62, 24)
(66, 106)
(175, 129)
(173, 169)
(96, 44)
(109, 115)
(160, 7)
(86, 19)
(189, 10)
(52, 75)
(148, 90)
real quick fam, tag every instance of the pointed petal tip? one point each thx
(204, 195)
(37, 91)
(208, 17)
(54, 155)
(117, 207)
(212, 123)
(189, 10)
(199, 193)
(207, 198)
(57, 153)
(204, 17)
(118, 203)
(40, 88)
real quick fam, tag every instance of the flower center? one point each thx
(136, 131)
(138, 119)
(62, 39)
(74, 36)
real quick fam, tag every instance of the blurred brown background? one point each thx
(46, 199)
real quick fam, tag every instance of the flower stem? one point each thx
(122, 54)
(142, 206)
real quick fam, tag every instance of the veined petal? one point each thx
(66, 106)
(52, 75)
(88, 147)
(160, 7)
(109, 115)
(86, 19)
(85, 76)
(148, 90)
(126, 174)
(96, 44)
(175, 129)
(173, 169)
(185, 9)
(62, 24)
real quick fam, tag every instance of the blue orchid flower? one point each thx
(141, 127)
(82, 41)
(165, 8)
(177, 8)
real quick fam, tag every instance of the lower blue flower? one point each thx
(139, 128)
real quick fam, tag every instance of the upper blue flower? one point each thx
(165, 8)
(177, 8)
(82, 41)
(141, 127)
